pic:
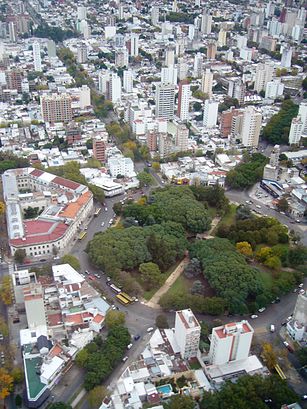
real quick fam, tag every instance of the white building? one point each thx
(182, 137)
(128, 81)
(286, 57)
(221, 41)
(37, 57)
(210, 113)
(169, 75)
(296, 131)
(170, 56)
(187, 333)
(206, 23)
(230, 342)
(134, 47)
(165, 101)
(207, 82)
(82, 54)
(264, 74)
(84, 97)
(154, 15)
(184, 100)
(81, 13)
(251, 126)
(246, 54)
(198, 65)
(115, 88)
(121, 166)
(274, 89)
(297, 326)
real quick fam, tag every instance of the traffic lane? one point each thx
(242, 197)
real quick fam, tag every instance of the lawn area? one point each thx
(180, 285)
(267, 279)
(228, 218)
(212, 212)
(148, 294)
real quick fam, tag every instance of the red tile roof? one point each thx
(36, 236)
(36, 172)
(66, 183)
(54, 319)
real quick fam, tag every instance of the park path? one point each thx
(154, 301)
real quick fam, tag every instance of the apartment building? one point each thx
(99, 150)
(251, 127)
(183, 100)
(187, 333)
(56, 108)
(165, 101)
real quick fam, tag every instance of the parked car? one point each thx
(125, 358)
(129, 346)
(301, 285)
(150, 329)
(137, 337)
(288, 346)
(262, 309)
(272, 328)
(254, 316)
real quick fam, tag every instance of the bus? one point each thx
(82, 235)
(115, 289)
(127, 297)
(122, 299)
(97, 211)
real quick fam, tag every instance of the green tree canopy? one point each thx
(72, 260)
(115, 318)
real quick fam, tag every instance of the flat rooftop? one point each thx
(34, 385)
(187, 318)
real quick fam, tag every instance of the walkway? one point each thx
(154, 301)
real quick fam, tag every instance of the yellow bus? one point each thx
(82, 235)
(127, 297)
(121, 299)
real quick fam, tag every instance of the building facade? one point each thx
(187, 333)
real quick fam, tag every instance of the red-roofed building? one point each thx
(230, 342)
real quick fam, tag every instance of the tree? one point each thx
(60, 405)
(282, 204)
(96, 396)
(2, 208)
(72, 261)
(180, 402)
(145, 179)
(17, 375)
(269, 356)
(6, 290)
(273, 262)
(6, 383)
(82, 357)
(302, 356)
(19, 256)
(3, 327)
(150, 275)
(98, 193)
(243, 212)
(114, 318)
(197, 288)
(192, 269)
(156, 166)
(244, 248)
(18, 400)
(246, 174)
(161, 321)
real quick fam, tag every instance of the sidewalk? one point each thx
(78, 398)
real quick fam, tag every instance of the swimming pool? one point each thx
(165, 389)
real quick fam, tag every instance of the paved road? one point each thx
(240, 197)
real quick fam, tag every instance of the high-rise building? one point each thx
(84, 96)
(210, 113)
(122, 57)
(165, 101)
(56, 108)
(51, 48)
(198, 65)
(169, 75)
(121, 11)
(191, 32)
(211, 50)
(183, 100)
(230, 342)
(154, 15)
(226, 121)
(297, 326)
(296, 131)
(12, 32)
(128, 81)
(206, 23)
(286, 57)
(103, 79)
(85, 29)
(236, 89)
(99, 150)
(251, 127)
(302, 113)
(222, 38)
(207, 82)
(274, 157)
(274, 89)
(81, 13)
(14, 79)
(182, 138)
(187, 333)
(82, 54)
(114, 90)
(37, 57)
(165, 145)
(264, 74)
(182, 68)
(169, 56)
(152, 141)
(134, 47)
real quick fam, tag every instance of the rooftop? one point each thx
(34, 384)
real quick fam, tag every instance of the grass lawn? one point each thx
(228, 218)
(148, 294)
(212, 212)
(267, 279)
(194, 365)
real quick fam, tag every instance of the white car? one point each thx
(125, 358)
(261, 309)
(102, 224)
(254, 316)
(105, 209)
(129, 346)
(150, 329)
